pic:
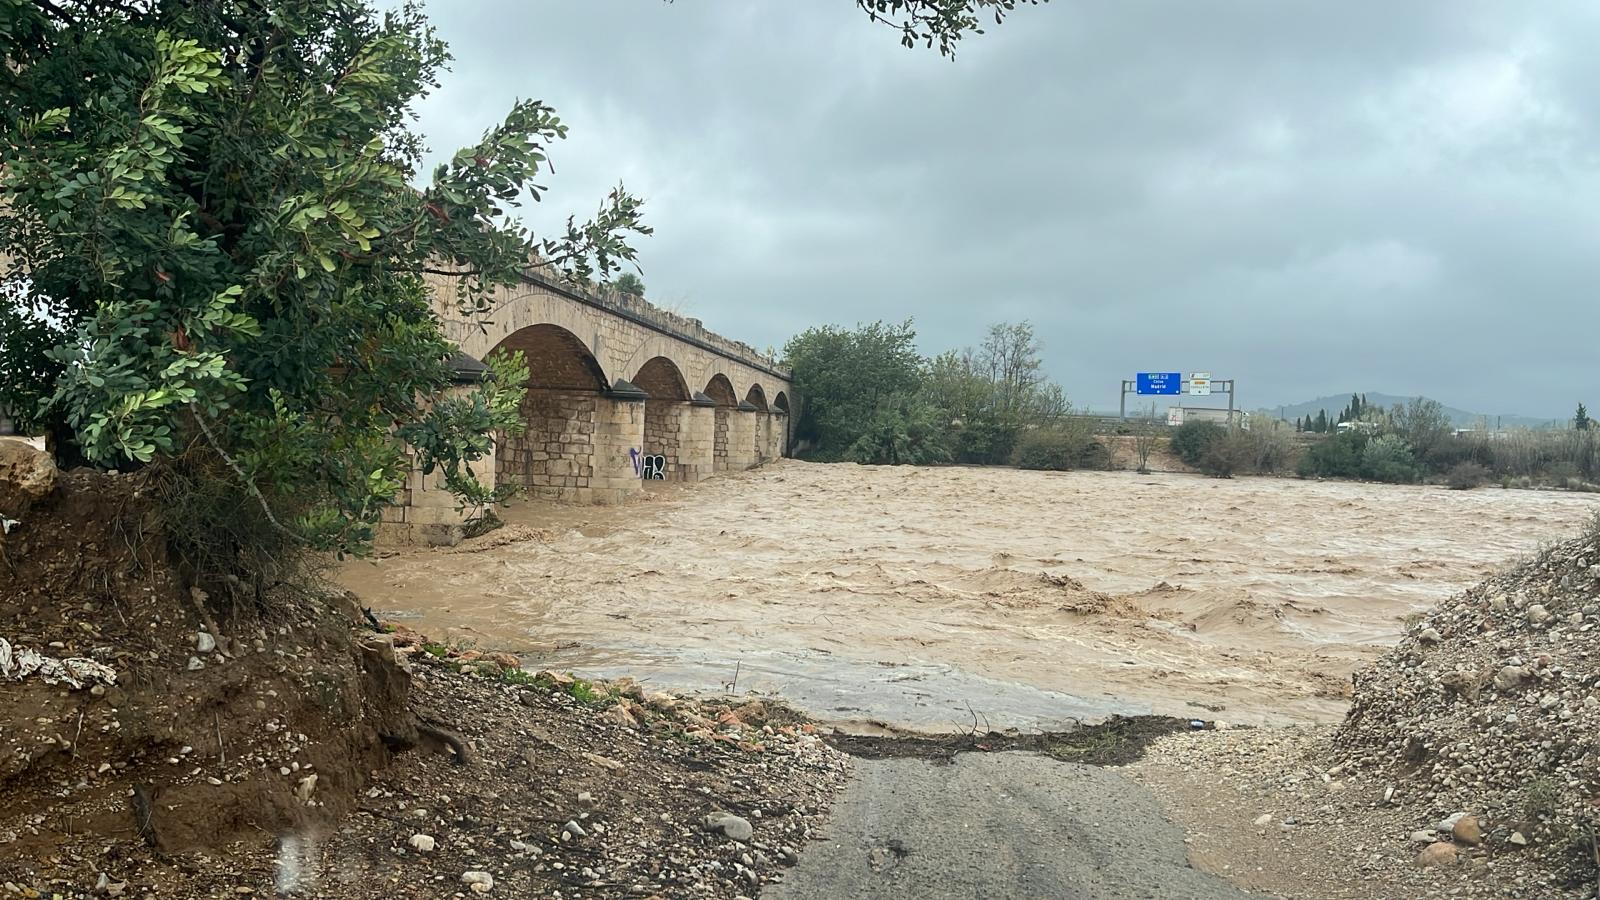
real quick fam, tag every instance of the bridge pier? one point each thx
(697, 437)
(741, 437)
(777, 435)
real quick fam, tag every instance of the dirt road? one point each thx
(997, 825)
(901, 595)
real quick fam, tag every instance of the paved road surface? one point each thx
(1002, 825)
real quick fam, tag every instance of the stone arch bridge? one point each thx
(618, 391)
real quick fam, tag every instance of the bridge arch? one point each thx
(756, 397)
(563, 451)
(600, 364)
(677, 433)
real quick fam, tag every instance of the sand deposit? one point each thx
(898, 595)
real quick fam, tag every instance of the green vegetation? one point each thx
(1062, 447)
(870, 397)
(215, 260)
(1465, 476)
(1191, 440)
(629, 283)
(1415, 442)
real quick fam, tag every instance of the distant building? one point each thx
(1178, 415)
(1363, 427)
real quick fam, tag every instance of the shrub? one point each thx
(1465, 476)
(1388, 458)
(1269, 447)
(1227, 454)
(904, 430)
(1191, 440)
(1061, 448)
(1339, 456)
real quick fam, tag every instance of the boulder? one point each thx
(27, 474)
(1441, 853)
(730, 825)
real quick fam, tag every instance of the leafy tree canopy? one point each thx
(215, 258)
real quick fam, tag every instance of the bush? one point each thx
(1338, 456)
(1227, 454)
(1269, 446)
(1060, 449)
(1191, 440)
(1466, 475)
(903, 431)
(1388, 458)
(984, 443)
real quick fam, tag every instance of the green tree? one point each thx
(1192, 439)
(844, 376)
(1581, 420)
(1322, 422)
(904, 429)
(211, 223)
(1422, 425)
(629, 283)
(1388, 458)
(941, 22)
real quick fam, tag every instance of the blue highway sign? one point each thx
(1158, 383)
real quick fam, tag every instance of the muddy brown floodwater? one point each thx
(899, 596)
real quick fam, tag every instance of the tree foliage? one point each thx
(861, 380)
(629, 283)
(846, 375)
(938, 22)
(904, 430)
(1192, 439)
(217, 256)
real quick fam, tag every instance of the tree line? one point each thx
(1415, 441)
(871, 397)
(1320, 424)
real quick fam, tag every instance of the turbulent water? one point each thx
(937, 598)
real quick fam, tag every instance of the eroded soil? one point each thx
(898, 596)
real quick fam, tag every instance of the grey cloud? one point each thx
(1308, 197)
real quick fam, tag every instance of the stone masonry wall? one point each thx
(618, 442)
(554, 457)
(663, 434)
(741, 440)
(720, 441)
(697, 442)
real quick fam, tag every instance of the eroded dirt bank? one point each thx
(901, 595)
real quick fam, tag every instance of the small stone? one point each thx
(574, 829)
(1468, 831)
(1519, 839)
(479, 882)
(585, 797)
(1509, 678)
(422, 843)
(1440, 853)
(1263, 820)
(730, 825)
(1538, 615)
(305, 788)
(195, 664)
(204, 642)
(1430, 636)
(1424, 837)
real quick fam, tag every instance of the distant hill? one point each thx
(1461, 418)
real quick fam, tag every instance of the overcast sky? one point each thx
(1308, 197)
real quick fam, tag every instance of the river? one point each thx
(938, 598)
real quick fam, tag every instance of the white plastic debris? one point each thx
(76, 671)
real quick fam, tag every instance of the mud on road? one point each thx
(899, 595)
